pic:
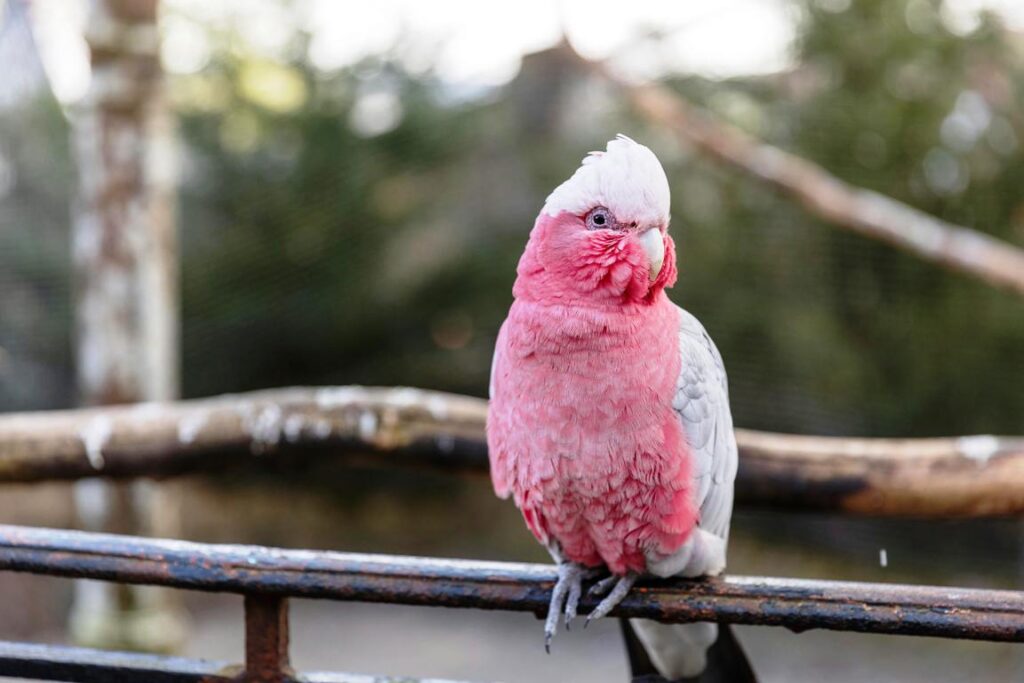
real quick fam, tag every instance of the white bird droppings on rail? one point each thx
(405, 397)
(437, 407)
(367, 425)
(293, 425)
(265, 429)
(979, 448)
(94, 437)
(190, 426)
(336, 397)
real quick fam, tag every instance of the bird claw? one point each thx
(572, 601)
(565, 597)
(620, 591)
(603, 586)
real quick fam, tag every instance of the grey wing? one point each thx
(498, 343)
(702, 402)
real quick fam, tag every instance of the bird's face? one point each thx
(603, 233)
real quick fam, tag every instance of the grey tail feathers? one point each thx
(726, 661)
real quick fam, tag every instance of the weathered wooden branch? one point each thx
(966, 476)
(863, 211)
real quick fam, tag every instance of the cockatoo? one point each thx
(609, 418)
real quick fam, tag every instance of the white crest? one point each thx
(626, 178)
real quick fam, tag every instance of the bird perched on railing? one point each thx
(609, 421)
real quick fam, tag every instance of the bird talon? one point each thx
(573, 600)
(602, 587)
(565, 596)
(622, 586)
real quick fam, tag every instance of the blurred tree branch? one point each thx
(862, 211)
(973, 476)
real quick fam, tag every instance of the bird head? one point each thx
(602, 236)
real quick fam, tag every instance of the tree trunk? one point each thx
(124, 249)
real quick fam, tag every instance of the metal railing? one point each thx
(412, 427)
(267, 577)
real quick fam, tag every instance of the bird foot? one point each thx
(614, 597)
(603, 586)
(565, 597)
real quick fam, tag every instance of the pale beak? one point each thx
(654, 246)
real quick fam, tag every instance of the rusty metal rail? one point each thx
(60, 663)
(257, 571)
(267, 577)
(85, 665)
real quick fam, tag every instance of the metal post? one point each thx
(124, 254)
(266, 640)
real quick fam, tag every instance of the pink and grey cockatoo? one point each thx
(609, 419)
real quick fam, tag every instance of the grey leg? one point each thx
(566, 594)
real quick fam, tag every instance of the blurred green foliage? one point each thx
(363, 225)
(829, 331)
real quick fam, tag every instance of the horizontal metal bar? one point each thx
(85, 665)
(796, 604)
(972, 476)
(361, 678)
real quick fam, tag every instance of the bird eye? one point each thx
(600, 219)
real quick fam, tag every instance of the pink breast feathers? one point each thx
(583, 434)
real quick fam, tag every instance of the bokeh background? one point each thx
(356, 185)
